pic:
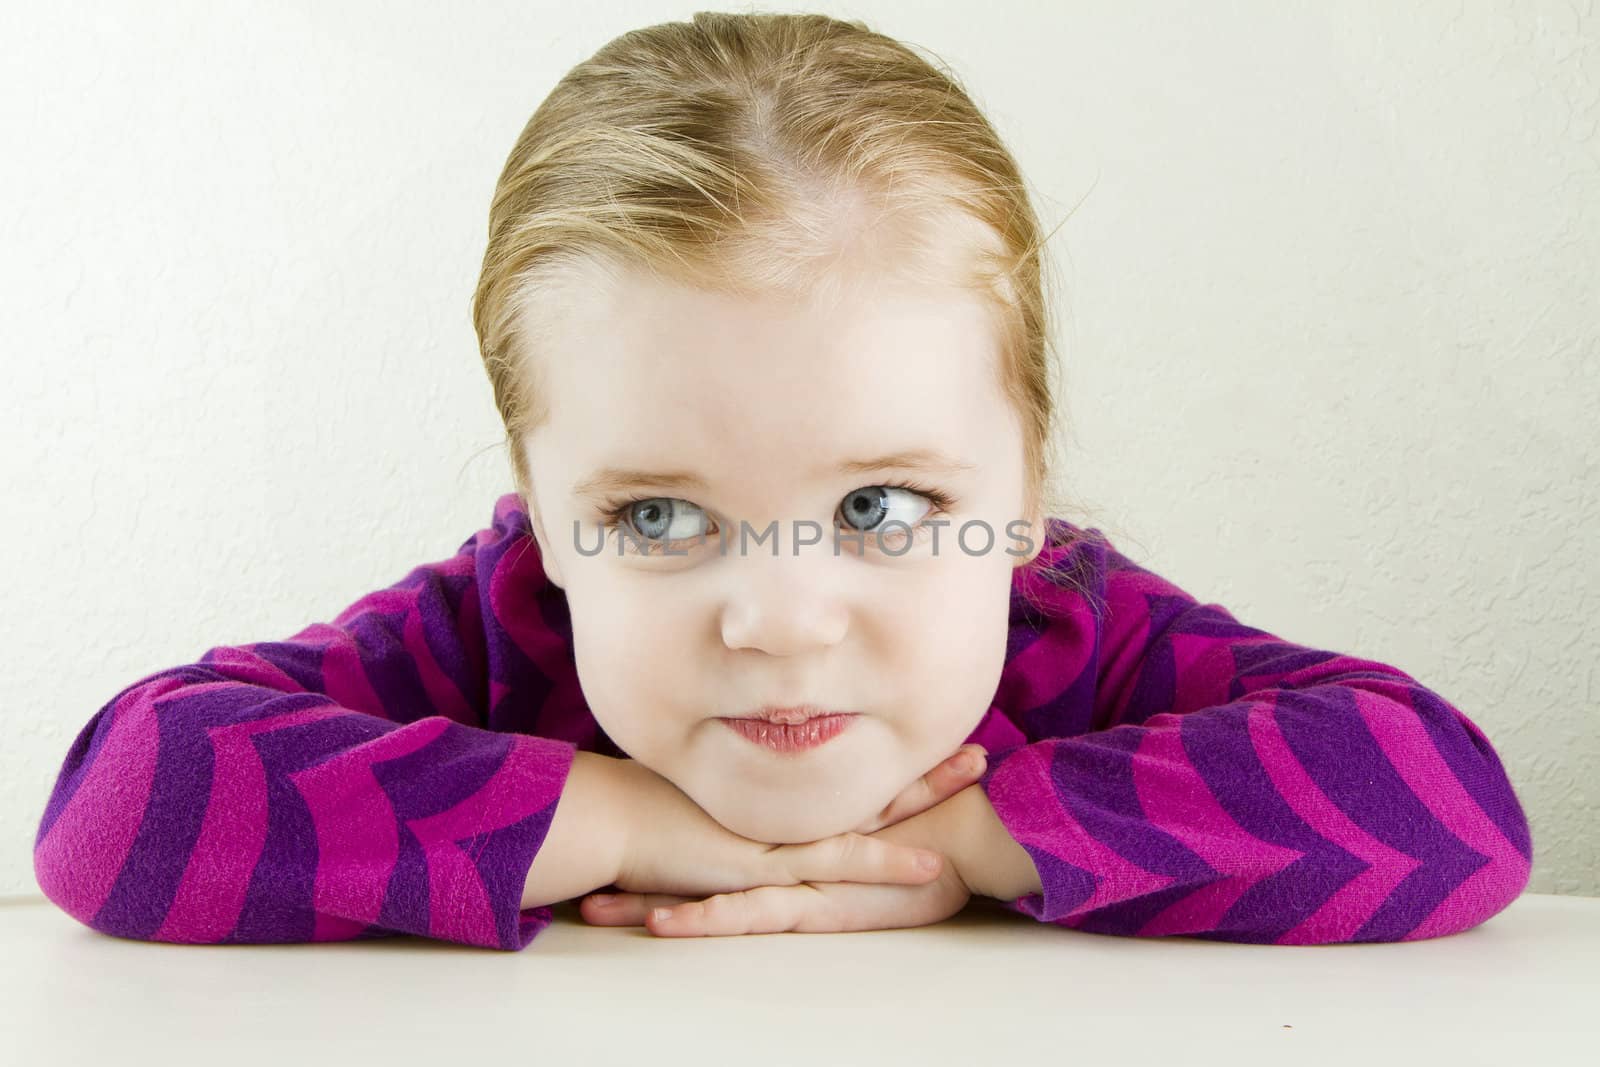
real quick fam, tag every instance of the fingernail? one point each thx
(927, 861)
(602, 899)
(969, 761)
(661, 914)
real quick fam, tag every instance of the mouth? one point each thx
(809, 732)
(793, 715)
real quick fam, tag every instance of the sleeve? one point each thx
(338, 785)
(1230, 785)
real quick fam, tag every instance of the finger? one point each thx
(624, 909)
(948, 778)
(767, 909)
(944, 781)
(829, 907)
(854, 857)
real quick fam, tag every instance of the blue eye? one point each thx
(868, 508)
(659, 521)
(656, 519)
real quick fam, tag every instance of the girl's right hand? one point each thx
(673, 847)
(950, 776)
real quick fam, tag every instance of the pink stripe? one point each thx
(332, 928)
(1176, 799)
(343, 675)
(510, 601)
(1204, 668)
(1348, 909)
(216, 877)
(246, 666)
(1047, 668)
(1123, 644)
(1025, 800)
(1411, 750)
(528, 781)
(1397, 683)
(443, 696)
(565, 713)
(505, 506)
(358, 838)
(77, 863)
(995, 731)
(497, 692)
(1059, 601)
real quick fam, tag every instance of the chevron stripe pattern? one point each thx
(394, 771)
(1181, 773)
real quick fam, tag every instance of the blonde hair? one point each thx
(737, 153)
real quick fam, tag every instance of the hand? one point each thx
(957, 771)
(671, 846)
(815, 907)
(808, 908)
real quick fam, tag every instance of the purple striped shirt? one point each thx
(1170, 770)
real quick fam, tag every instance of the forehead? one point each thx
(641, 360)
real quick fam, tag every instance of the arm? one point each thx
(583, 848)
(981, 848)
(360, 779)
(1201, 777)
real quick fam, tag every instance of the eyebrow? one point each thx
(609, 480)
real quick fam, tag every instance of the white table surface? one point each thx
(985, 987)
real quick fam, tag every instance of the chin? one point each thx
(780, 828)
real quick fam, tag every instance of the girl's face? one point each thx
(709, 412)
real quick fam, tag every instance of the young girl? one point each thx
(763, 314)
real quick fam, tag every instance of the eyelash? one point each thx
(614, 511)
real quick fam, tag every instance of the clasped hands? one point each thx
(873, 879)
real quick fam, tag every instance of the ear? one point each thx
(552, 568)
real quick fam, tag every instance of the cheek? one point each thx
(630, 660)
(955, 654)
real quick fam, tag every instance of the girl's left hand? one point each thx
(807, 908)
(822, 907)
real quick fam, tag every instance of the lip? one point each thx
(783, 737)
(812, 727)
(793, 715)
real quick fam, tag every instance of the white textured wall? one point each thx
(1329, 294)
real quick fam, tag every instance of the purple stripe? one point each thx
(406, 904)
(1261, 663)
(443, 773)
(75, 768)
(143, 892)
(1217, 745)
(434, 778)
(1331, 741)
(438, 603)
(503, 858)
(1095, 774)
(390, 669)
(1155, 687)
(86, 747)
(531, 689)
(1026, 627)
(1070, 714)
(527, 687)
(1066, 888)
(301, 662)
(278, 905)
(1486, 781)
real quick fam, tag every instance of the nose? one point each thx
(783, 605)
